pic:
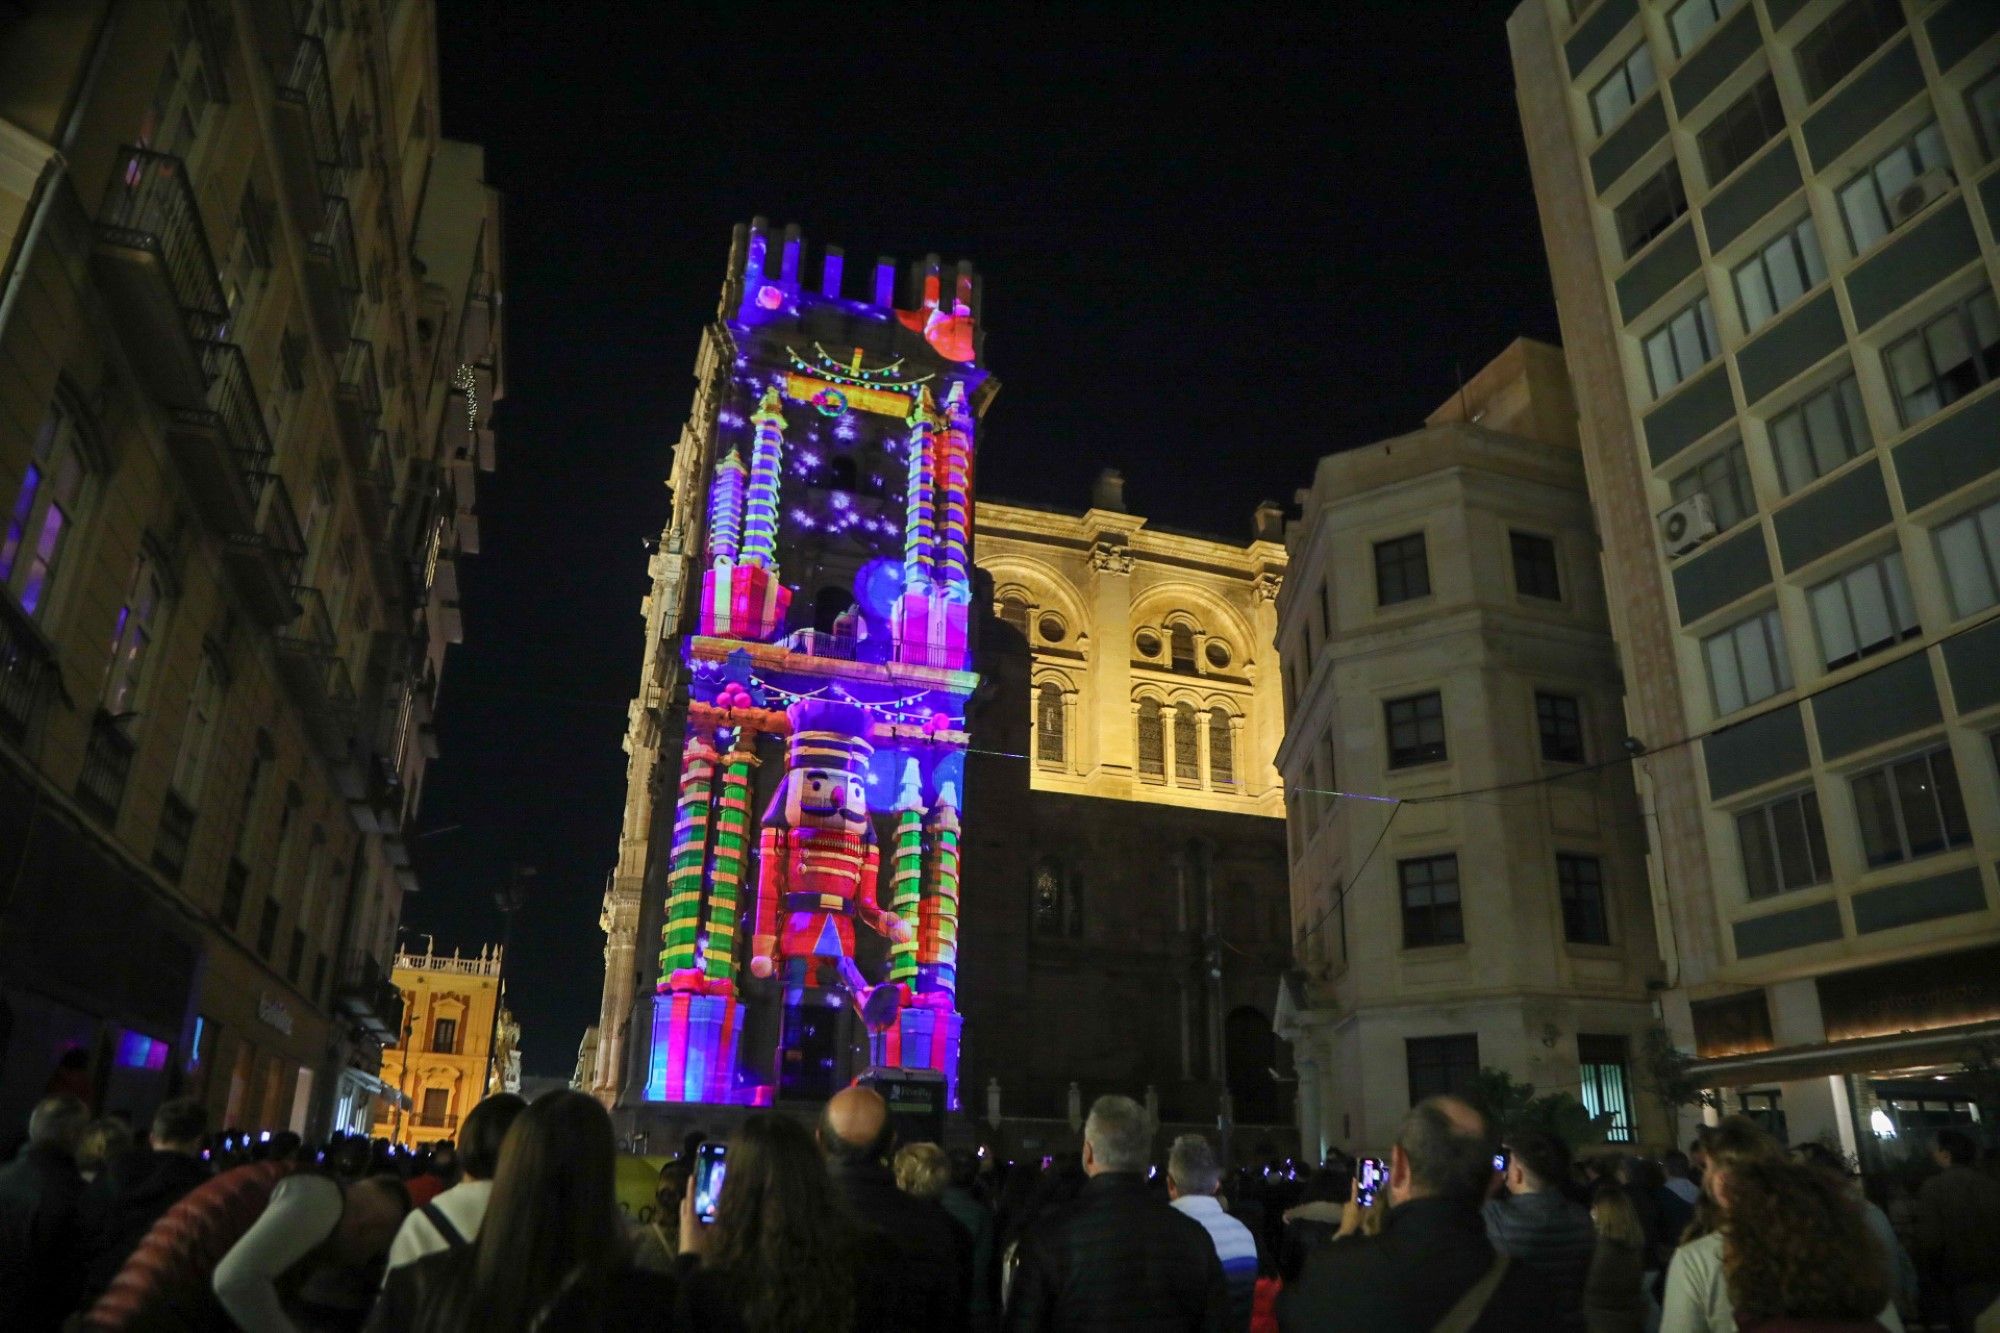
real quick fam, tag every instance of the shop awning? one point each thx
(1858, 1055)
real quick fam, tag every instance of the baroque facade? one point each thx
(1772, 230)
(249, 348)
(459, 1043)
(1444, 632)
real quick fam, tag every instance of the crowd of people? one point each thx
(517, 1226)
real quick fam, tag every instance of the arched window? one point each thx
(1049, 730)
(1221, 749)
(1047, 897)
(1180, 639)
(1152, 742)
(1187, 746)
(1014, 612)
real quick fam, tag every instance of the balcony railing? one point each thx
(306, 85)
(436, 1120)
(358, 399)
(311, 634)
(150, 206)
(170, 844)
(24, 670)
(107, 761)
(335, 271)
(232, 398)
(267, 560)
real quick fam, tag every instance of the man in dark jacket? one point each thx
(39, 1269)
(1535, 1225)
(932, 1270)
(1958, 1229)
(1118, 1257)
(140, 1187)
(1432, 1251)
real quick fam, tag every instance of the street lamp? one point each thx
(510, 898)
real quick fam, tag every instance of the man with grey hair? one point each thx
(41, 1269)
(1118, 1256)
(1432, 1265)
(1193, 1176)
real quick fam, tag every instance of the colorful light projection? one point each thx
(865, 711)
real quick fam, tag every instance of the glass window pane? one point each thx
(1759, 682)
(1711, 341)
(1862, 207)
(1794, 861)
(1815, 263)
(1822, 423)
(1689, 22)
(1759, 866)
(1965, 568)
(1852, 416)
(1868, 596)
(1918, 800)
(1788, 279)
(1902, 606)
(1815, 836)
(1985, 323)
(1876, 817)
(1640, 67)
(1752, 294)
(1789, 444)
(1930, 148)
(1895, 171)
(1610, 102)
(1951, 802)
(1723, 673)
(1687, 342)
(1660, 362)
(1948, 344)
(1830, 618)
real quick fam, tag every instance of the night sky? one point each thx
(1212, 253)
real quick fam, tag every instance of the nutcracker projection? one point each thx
(813, 874)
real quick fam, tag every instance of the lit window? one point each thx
(1784, 845)
(1969, 549)
(1779, 274)
(1601, 1065)
(1614, 98)
(1946, 359)
(1221, 749)
(1820, 434)
(1864, 610)
(1187, 746)
(1910, 808)
(1152, 742)
(1416, 730)
(1683, 344)
(1691, 19)
(1747, 662)
(44, 514)
(1402, 570)
(1051, 735)
(131, 635)
(1724, 477)
(1431, 909)
(1559, 720)
(1580, 879)
(1865, 200)
(1852, 33)
(1745, 126)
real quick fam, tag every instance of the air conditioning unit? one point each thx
(1687, 525)
(1920, 194)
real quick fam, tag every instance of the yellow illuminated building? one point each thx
(441, 1064)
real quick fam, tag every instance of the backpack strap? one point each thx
(452, 1238)
(1462, 1317)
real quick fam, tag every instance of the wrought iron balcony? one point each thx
(219, 442)
(26, 667)
(170, 844)
(371, 999)
(333, 271)
(266, 560)
(358, 399)
(378, 486)
(304, 125)
(310, 635)
(159, 272)
(107, 762)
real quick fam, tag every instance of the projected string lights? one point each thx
(828, 672)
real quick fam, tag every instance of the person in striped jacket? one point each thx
(1192, 1178)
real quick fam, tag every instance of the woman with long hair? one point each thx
(1797, 1254)
(781, 1254)
(552, 1251)
(1613, 1299)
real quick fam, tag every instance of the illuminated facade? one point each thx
(1771, 229)
(808, 657)
(250, 343)
(441, 1066)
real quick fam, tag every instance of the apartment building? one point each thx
(1468, 875)
(249, 351)
(1771, 226)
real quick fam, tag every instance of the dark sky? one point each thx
(1212, 253)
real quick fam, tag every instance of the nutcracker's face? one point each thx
(827, 798)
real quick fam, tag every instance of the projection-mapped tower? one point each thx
(811, 882)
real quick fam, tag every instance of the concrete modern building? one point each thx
(1124, 888)
(249, 347)
(454, 1048)
(1771, 226)
(1468, 875)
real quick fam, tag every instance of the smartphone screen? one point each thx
(1370, 1180)
(1500, 1160)
(709, 1168)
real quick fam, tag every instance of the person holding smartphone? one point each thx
(1538, 1225)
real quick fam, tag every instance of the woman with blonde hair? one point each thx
(922, 1170)
(1613, 1301)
